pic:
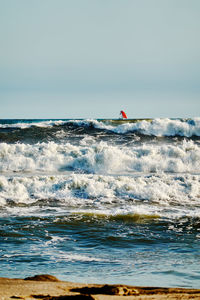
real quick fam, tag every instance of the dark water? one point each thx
(102, 201)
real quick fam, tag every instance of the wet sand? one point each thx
(50, 288)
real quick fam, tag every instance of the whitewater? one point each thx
(120, 196)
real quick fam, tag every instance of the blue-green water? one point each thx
(101, 201)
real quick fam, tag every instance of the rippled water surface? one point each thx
(102, 201)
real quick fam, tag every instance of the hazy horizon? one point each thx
(90, 59)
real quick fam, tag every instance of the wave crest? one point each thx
(149, 127)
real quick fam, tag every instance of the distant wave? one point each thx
(22, 124)
(162, 127)
(149, 127)
(152, 127)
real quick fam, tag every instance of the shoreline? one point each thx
(50, 288)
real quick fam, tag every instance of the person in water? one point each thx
(123, 114)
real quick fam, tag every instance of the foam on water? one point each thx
(161, 195)
(77, 257)
(79, 196)
(31, 123)
(158, 127)
(100, 157)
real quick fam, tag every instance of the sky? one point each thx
(93, 58)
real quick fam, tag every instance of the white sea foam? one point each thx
(77, 257)
(160, 195)
(100, 157)
(55, 240)
(28, 124)
(156, 127)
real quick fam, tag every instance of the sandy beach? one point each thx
(50, 288)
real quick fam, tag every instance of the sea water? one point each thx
(101, 201)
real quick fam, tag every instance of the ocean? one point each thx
(101, 201)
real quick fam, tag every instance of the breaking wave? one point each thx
(100, 157)
(162, 195)
(42, 129)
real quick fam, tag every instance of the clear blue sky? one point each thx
(92, 58)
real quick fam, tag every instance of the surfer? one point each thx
(123, 114)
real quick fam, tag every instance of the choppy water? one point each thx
(102, 201)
